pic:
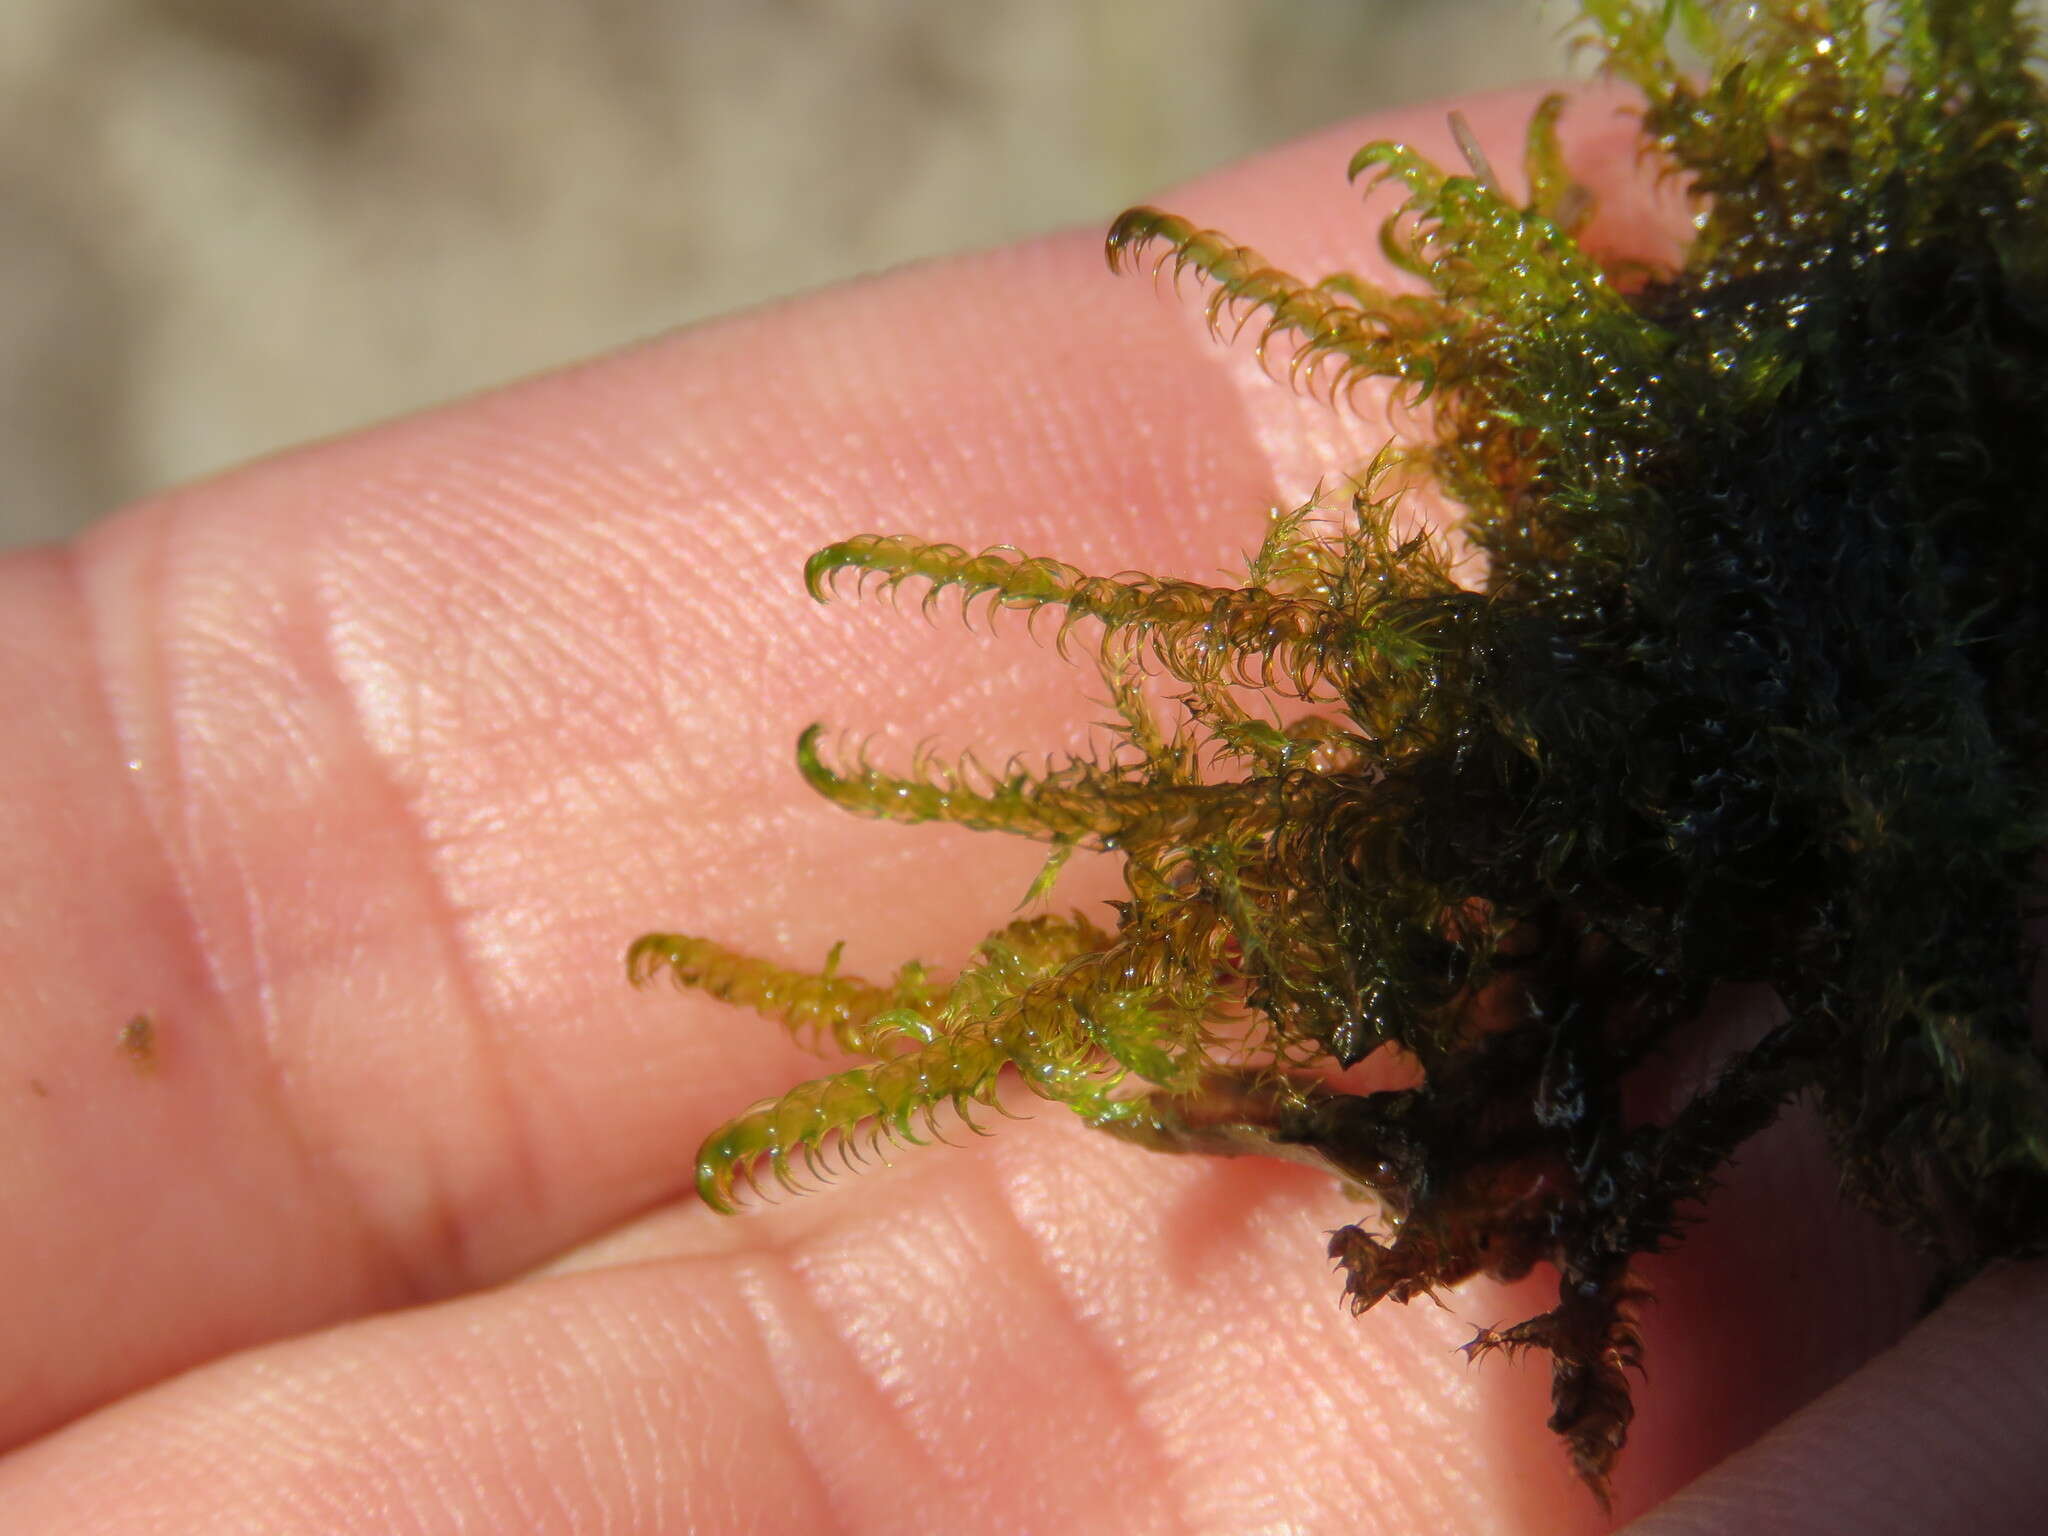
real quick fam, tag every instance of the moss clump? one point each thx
(1752, 694)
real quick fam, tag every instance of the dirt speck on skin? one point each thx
(138, 1042)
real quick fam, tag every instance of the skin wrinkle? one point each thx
(181, 808)
(895, 1363)
(1385, 1355)
(168, 805)
(788, 1363)
(129, 750)
(516, 1166)
(165, 812)
(817, 1494)
(899, 1398)
(523, 744)
(1162, 1474)
(399, 1275)
(1145, 1411)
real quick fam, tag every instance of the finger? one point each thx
(1049, 1336)
(1940, 1434)
(989, 1364)
(1210, 1279)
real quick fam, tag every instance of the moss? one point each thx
(1752, 695)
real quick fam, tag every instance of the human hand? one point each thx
(355, 772)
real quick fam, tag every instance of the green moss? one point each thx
(1753, 695)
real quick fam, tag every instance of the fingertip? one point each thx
(1939, 1434)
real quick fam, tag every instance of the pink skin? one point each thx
(357, 769)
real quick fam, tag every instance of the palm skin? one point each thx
(357, 770)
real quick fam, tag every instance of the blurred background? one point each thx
(230, 225)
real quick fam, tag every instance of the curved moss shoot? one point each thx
(1753, 694)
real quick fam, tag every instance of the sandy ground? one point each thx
(231, 225)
